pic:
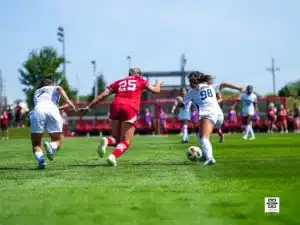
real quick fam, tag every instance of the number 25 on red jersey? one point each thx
(127, 85)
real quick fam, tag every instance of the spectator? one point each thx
(64, 116)
(297, 118)
(148, 118)
(4, 125)
(232, 117)
(194, 117)
(18, 115)
(163, 121)
(10, 115)
(282, 118)
(271, 117)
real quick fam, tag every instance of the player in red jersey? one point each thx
(271, 118)
(4, 124)
(123, 111)
(282, 118)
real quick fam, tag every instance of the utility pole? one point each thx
(273, 69)
(129, 61)
(93, 62)
(61, 39)
(1, 90)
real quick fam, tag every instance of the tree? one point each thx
(284, 92)
(101, 86)
(38, 65)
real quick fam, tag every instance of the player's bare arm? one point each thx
(107, 92)
(219, 97)
(155, 89)
(231, 86)
(66, 98)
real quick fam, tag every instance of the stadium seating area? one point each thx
(98, 120)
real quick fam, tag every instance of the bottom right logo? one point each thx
(272, 204)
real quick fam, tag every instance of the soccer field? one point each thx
(153, 183)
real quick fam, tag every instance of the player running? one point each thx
(46, 116)
(249, 102)
(203, 95)
(184, 115)
(123, 111)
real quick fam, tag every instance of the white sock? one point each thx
(247, 129)
(184, 132)
(39, 156)
(207, 148)
(54, 145)
(251, 130)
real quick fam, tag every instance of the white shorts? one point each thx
(245, 114)
(184, 116)
(216, 119)
(49, 120)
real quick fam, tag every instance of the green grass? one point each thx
(153, 183)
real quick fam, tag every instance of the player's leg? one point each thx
(36, 139)
(114, 139)
(184, 130)
(127, 131)
(219, 127)
(54, 126)
(110, 141)
(128, 116)
(206, 126)
(250, 127)
(2, 131)
(6, 131)
(285, 126)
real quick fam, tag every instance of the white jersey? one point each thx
(46, 97)
(185, 111)
(204, 97)
(248, 102)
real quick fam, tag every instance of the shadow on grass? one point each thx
(17, 169)
(161, 163)
(88, 165)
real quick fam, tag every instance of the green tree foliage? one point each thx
(101, 87)
(38, 65)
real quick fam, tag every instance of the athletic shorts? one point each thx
(41, 120)
(216, 119)
(4, 126)
(246, 114)
(123, 113)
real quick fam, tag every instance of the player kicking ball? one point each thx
(46, 116)
(203, 95)
(123, 111)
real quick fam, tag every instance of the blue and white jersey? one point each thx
(204, 97)
(185, 111)
(46, 97)
(248, 103)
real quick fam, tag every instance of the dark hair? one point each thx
(46, 81)
(195, 78)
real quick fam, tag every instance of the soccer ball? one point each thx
(194, 153)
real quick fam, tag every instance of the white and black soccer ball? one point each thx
(194, 153)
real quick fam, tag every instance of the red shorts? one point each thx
(123, 113)
(282, 118)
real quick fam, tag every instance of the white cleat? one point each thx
(112, 160)
(245, 137)
(102, 147)
(209, 162)
(49, 151)
(252, 138)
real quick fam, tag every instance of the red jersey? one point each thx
(4, 118)
(271, 113)
(128, 91)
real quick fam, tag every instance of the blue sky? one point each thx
(232, 39)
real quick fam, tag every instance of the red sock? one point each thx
(121, 148)
(111, 141)
(220, 133)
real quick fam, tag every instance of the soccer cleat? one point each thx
(221, 140)
(102, 147)
(49, 151)
(42, 165)
(112, 160)
(252, 138)
(209, 162)
(184, 142)
(244, 137)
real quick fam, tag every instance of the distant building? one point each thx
(167, 91)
